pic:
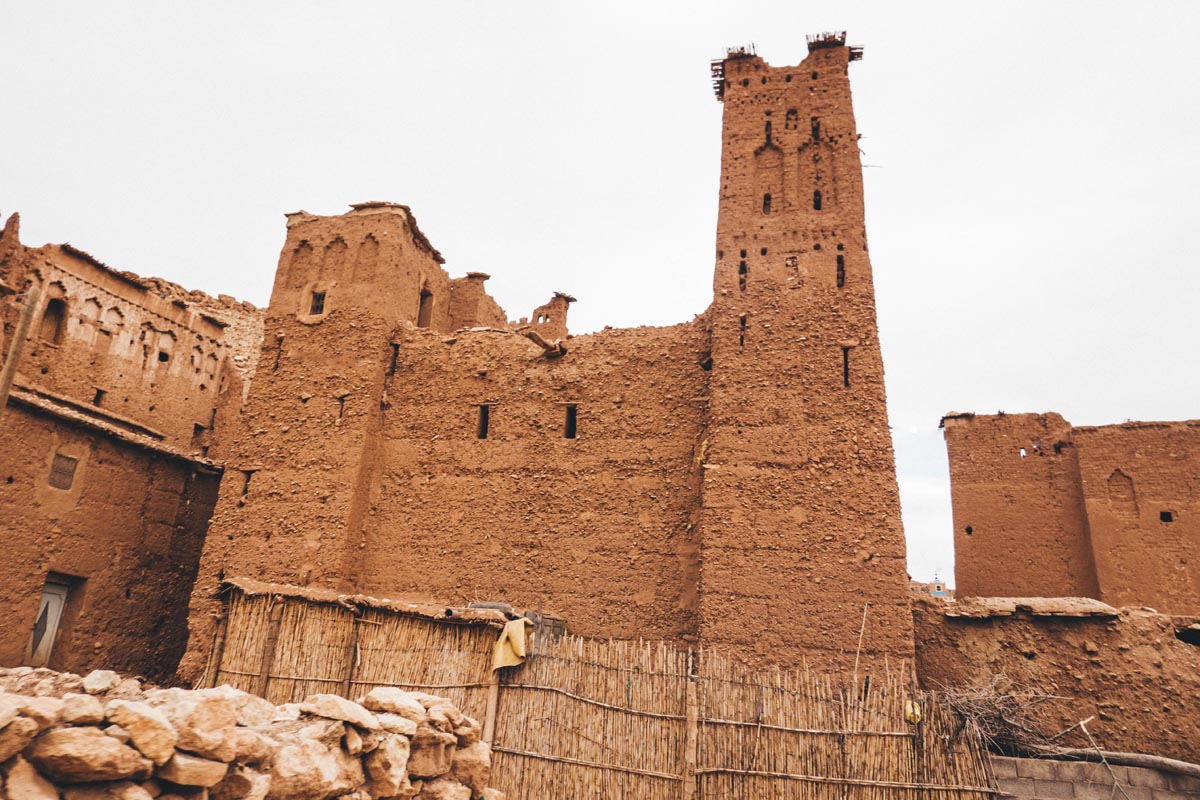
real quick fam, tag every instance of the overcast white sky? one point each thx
(1032, 193)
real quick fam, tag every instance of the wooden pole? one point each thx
(9, 372)
(493, 702)
(351, 658)
(690, 746)
(219, 631)
(268, 654)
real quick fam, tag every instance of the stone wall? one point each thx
(103, 737)
(1110, 512)
(1044, 779)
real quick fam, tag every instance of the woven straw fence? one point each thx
(586, 718)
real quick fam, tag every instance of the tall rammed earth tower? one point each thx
(800, 516)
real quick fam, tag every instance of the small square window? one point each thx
(1166, 516)
(62, 471)
(318, 303)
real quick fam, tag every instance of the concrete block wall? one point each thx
(1045, 779)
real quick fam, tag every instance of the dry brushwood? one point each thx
(1003, 713)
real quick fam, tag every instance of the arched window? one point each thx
(54, 321)
(425, 309)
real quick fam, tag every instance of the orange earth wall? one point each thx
(1110, 512)
(130, 382)
(730, 481)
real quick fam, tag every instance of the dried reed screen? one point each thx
(585, 718)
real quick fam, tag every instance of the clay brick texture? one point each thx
(1109, 512)
(727, 481)
(107, 478)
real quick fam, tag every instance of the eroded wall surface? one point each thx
(1130, 672)
(728, 481)
(1109, 512)
(123, 391)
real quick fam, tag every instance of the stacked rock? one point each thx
(100, 737)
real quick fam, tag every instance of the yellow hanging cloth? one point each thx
(510, 647)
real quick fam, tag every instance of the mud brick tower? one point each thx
(727, 481)
(801, 515)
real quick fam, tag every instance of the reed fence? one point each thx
(586, 718)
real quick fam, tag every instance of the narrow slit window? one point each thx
(570, 429)
(62, 471)
(395, 358)
(743, 271)
(817, 200)
(98, 397)
(767, 203)
(816, 128)
(768, 131)
(425, 310)
(846, 366)
(841, 271)
(481, 425)
(317, 306)
(742, 330)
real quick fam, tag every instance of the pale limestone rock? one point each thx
(352, 741)
(303, 770)
(186, 770)
(445, 717)
(443, 789)
(332, 706)
(394, 723)
(396, 701)
(250, 710)
(149, 729)
(118, 733)
(15, 736)
(99, 681)
(120, 790)
(45, 711)
(22, 782)
(10, 708)
(492, 794)
(128, 688)
(472, 766)
(428, 700)
(205, 725)
(387, 767)
(241, 783)
(469, 732)
(432, 752)
(81, 709)
(71, 755)
(253, 747)
(287, 711)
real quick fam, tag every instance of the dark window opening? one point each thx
(817, 200)
(814, 76)
(163, 356)
(743, 270)
(1189, 635)
(793, 118)
(98, 397)
(425, 309)
(816, 245)
(768, 131)
(968, 530)
(569, 429)
(62, 471)
(845, 366)
(197, 431)
(762, 252)
(317, 306)
(742, 330)
(705, 363)
(1166, 516)
(395, 358)
(841, 271)
(816, 127)
(247, 474)
(766, 203)
(54, 320)
(788, 79)
(841, 247)
(745, 82)
(341, 406)
(481, 427)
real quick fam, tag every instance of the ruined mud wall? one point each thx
(1141, 490)
(1130, 672)
(125, 536)
(579, 500)
(1111, 512)
(144, 354)
(801, 517)
(1019, 524)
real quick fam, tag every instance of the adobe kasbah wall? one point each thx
(729, 481)
(107, 480)
(1127, 669)
(1108, 512)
